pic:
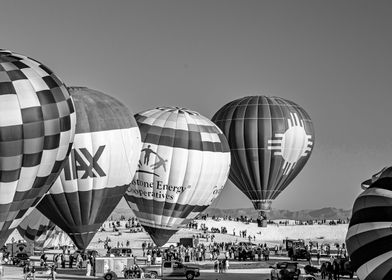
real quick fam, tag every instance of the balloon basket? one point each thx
(262, 219)
(262, 223)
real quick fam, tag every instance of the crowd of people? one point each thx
(284, 222)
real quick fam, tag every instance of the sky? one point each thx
(331, 57)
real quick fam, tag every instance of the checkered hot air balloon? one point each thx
(183, 166)
(99, 169)
(270, 139)
(369, 236)
(37, 125)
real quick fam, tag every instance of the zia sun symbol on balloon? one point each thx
(293, 144)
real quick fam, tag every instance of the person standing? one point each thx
(53, 271)
(88, 267)
(71, 258)
(318, 257)
(33, 271)
(323, 270)
(227, 265)
(216, 265)
(26, 271)
(329, 270)
(336, 269)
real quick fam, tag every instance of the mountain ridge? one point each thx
(327, 213)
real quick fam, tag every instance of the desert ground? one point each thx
(272, 235)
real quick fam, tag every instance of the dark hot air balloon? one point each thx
(369, 236)
(270, 139)
(37, 125)
(385, 172)
(99, 169)
(183, 166)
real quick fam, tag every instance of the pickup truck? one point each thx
(172, 268)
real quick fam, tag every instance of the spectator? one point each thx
(26, 271)
(88, 268)
(216, 264)
(227, 265)
(323, 270)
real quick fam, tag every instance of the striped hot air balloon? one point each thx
(100, 168)
(369, 237)
(385, 172)
(184, 164)
(38, 229)
(37, 126)
(270, 139)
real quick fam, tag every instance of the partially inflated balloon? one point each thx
(271, 139)
(369, 237)
(37, 126)
(184, 164)
(41, 231)
(100, 168)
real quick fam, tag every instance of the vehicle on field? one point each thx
(307, 277)
(247, 244)
(20, 259)
(312, 270)
(296, 250)
(285, 270)
(172, 268)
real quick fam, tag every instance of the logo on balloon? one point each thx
(293, 144)
(153, 167)
(81, 160)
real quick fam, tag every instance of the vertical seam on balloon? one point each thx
(270, 194)
(260, 179)
(275, 190)
(158, 219)
(202, 161)
(248, 169)
(169, 219)
(70, 206)
(241, 179)
(191, 195)
(219, 176)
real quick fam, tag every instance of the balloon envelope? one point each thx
(42, 232)
(183, 166)
(270, 139)
(369, 237)
(101, 166)
(37, 126)
(385, 172)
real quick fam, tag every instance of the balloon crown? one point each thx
(4, 52)
(180, 110)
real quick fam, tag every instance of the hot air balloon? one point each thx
(385, 172)
(99, 169)
(369, 236)
(183, 166)
(37, 126)
(42, 232)
(270, 139)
